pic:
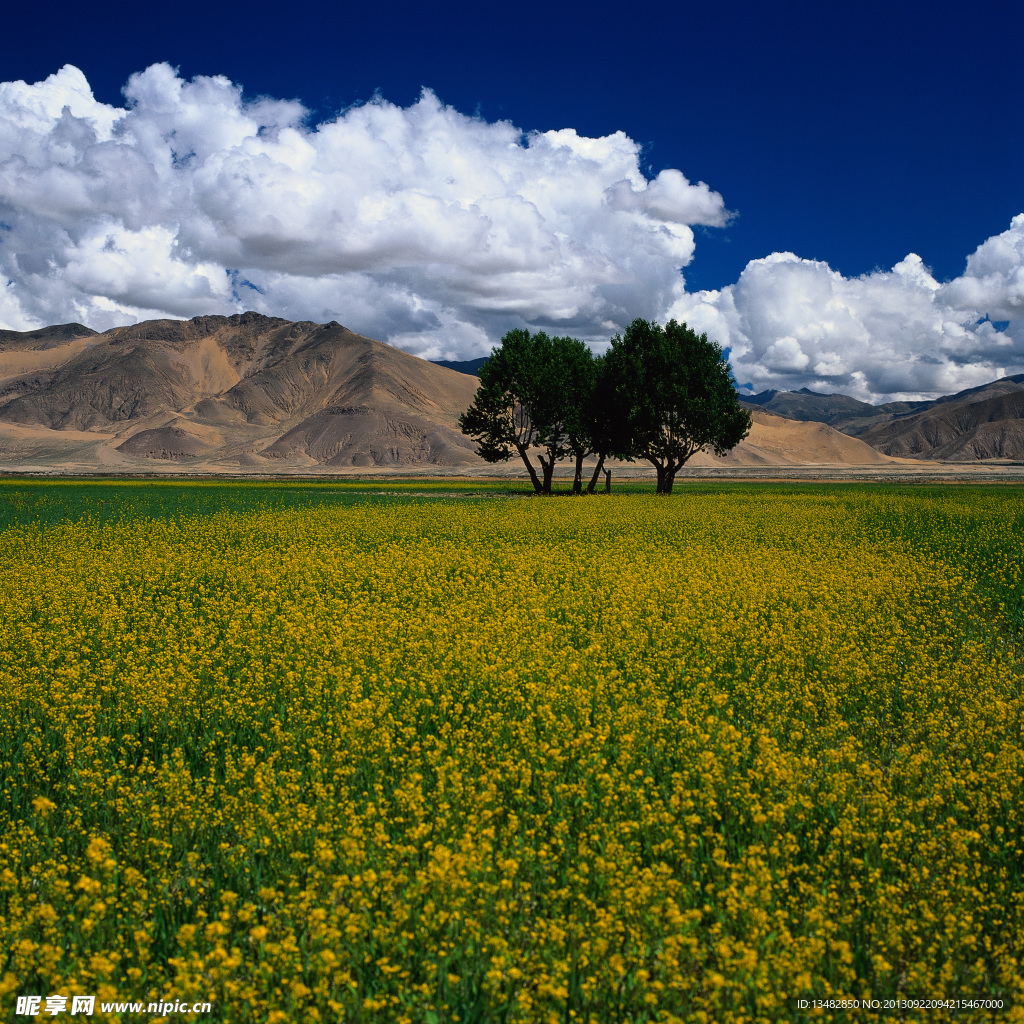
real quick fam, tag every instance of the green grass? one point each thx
(49, 502)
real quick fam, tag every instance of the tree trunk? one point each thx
(529, 468)
(548, 468)
(607, 481)
(577, 480)
(661, 471)
(597, 474)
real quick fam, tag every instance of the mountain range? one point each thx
(255, 394)
(245, 391)
(985, 422)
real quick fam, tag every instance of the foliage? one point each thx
(675, 397)
(538, 391)
(576, 415)
(660, 394)
(31, 500)
(311, 762)
(515, 407)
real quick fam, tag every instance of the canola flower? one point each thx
(598, 759)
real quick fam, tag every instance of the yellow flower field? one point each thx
(489, 759)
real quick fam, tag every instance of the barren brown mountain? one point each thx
(244, 390)
(250, 393)
(986, 425)
(776, 441)
(985, 422)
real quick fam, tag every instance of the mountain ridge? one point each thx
(936, 429)
(251, 393)
(236, 386)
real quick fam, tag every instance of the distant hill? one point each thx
(251, 393)
(778, 441)
(244, 390)
(45, 337)
(837, 410)
(470, 366)
(809, 405)
(984, 422)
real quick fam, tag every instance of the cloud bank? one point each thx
(793, 323)
(438, 232)
(421, 225)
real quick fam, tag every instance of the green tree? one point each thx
(576, 417)
(602, 414)
(673, 397)
(588, 408)
(516, 407)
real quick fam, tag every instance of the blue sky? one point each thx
(849, 135)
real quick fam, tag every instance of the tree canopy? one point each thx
(511, 413)
(674, 397)
(660, 394)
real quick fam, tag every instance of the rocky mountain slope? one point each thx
(985, 422)
(250, 393)
(812, 407)
(245, 390)
(988, 424)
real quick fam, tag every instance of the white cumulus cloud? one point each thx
(792, 323)
(438, 232)
(419, 225)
